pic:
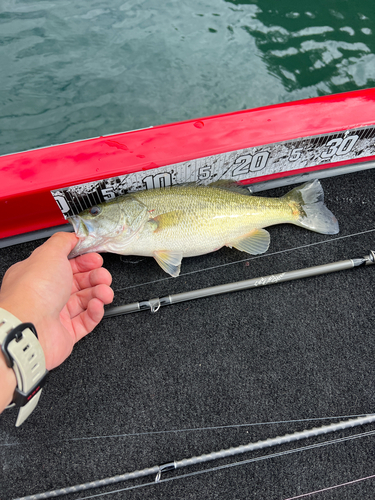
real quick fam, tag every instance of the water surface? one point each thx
(72, 70)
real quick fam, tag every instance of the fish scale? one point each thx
(199, 220)
(185, 221)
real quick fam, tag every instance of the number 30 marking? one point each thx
(339, 146)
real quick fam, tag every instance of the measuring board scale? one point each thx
(246, 165)
(273, 145)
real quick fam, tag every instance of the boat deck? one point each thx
(147, 389)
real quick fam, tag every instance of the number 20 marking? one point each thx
(249, 163)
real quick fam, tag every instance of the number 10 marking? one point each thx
(158, 181)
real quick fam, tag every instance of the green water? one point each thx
(72, 69)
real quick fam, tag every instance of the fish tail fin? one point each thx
(308, 200)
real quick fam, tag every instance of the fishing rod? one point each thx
(154, 304)
(158, 470)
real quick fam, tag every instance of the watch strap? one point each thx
(25, 355)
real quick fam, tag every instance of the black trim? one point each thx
(21, 398)
(16, 333)
(34, 235)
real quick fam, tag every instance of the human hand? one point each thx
(63, 298)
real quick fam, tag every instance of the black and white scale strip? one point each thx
(239, 165)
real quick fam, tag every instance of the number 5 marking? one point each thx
(108, 194)
(204, 173)
(295, 154)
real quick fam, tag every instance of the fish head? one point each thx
(108, 227)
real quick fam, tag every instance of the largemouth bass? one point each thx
(184, 221)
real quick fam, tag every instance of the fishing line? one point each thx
(155, 303)
(213, 428)
(219, 467)
(195, 429)
(246, 260)
(232, 451)
(235, 464)
(332, 487)
(159, 470)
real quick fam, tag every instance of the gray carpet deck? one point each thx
(200, 376)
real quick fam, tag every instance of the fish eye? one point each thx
(95, 211)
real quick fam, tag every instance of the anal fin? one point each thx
(254, 243)
(169, 260)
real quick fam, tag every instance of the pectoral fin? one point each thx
(255, 242)
(167, 220)
(169, 261)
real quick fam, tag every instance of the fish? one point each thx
(179, 221)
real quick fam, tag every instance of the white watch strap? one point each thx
(28, 362)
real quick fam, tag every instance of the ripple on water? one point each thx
(72, 70)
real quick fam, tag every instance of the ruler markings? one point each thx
(247, 163)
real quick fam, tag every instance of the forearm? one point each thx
(8, 380)
(7, 383)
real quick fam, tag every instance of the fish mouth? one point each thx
(84, 245)
(79, 226)
(83, 231)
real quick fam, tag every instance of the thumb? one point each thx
(61, 243)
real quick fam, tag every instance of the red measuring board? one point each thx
(250, 146)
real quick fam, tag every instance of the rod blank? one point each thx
(159, 470)
(155, 304)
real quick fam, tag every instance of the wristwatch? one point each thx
(23, 352)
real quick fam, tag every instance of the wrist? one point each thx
(8, 383)
(25, 313)
(21, 309)
(22, 354)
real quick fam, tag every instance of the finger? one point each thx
(59, 243)
(79, 301)
(86, 262)
(99, 276)
(85, 322)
